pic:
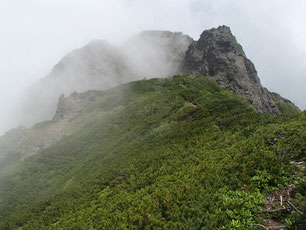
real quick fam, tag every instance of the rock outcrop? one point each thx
(71, 106)
(219, 56)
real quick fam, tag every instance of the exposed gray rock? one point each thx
(221, 58)
(71, 106)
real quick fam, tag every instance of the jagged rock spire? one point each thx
(219, 56)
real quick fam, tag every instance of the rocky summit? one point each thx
(219, 56)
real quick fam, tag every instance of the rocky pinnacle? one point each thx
(219, 56)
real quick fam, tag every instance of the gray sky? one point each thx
(35, 34)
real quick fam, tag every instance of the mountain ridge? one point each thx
(100, 65)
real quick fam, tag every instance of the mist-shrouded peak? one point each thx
(84, 67)
(100, 65)
(97, 65)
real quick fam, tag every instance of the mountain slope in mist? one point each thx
(163, 153)
(20, 143)
(100, 65)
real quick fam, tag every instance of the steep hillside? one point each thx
(176, 153)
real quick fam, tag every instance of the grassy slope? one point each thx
(166, 153)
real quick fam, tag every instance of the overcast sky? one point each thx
(35, 34)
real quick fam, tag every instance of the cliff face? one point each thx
(219, 56)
